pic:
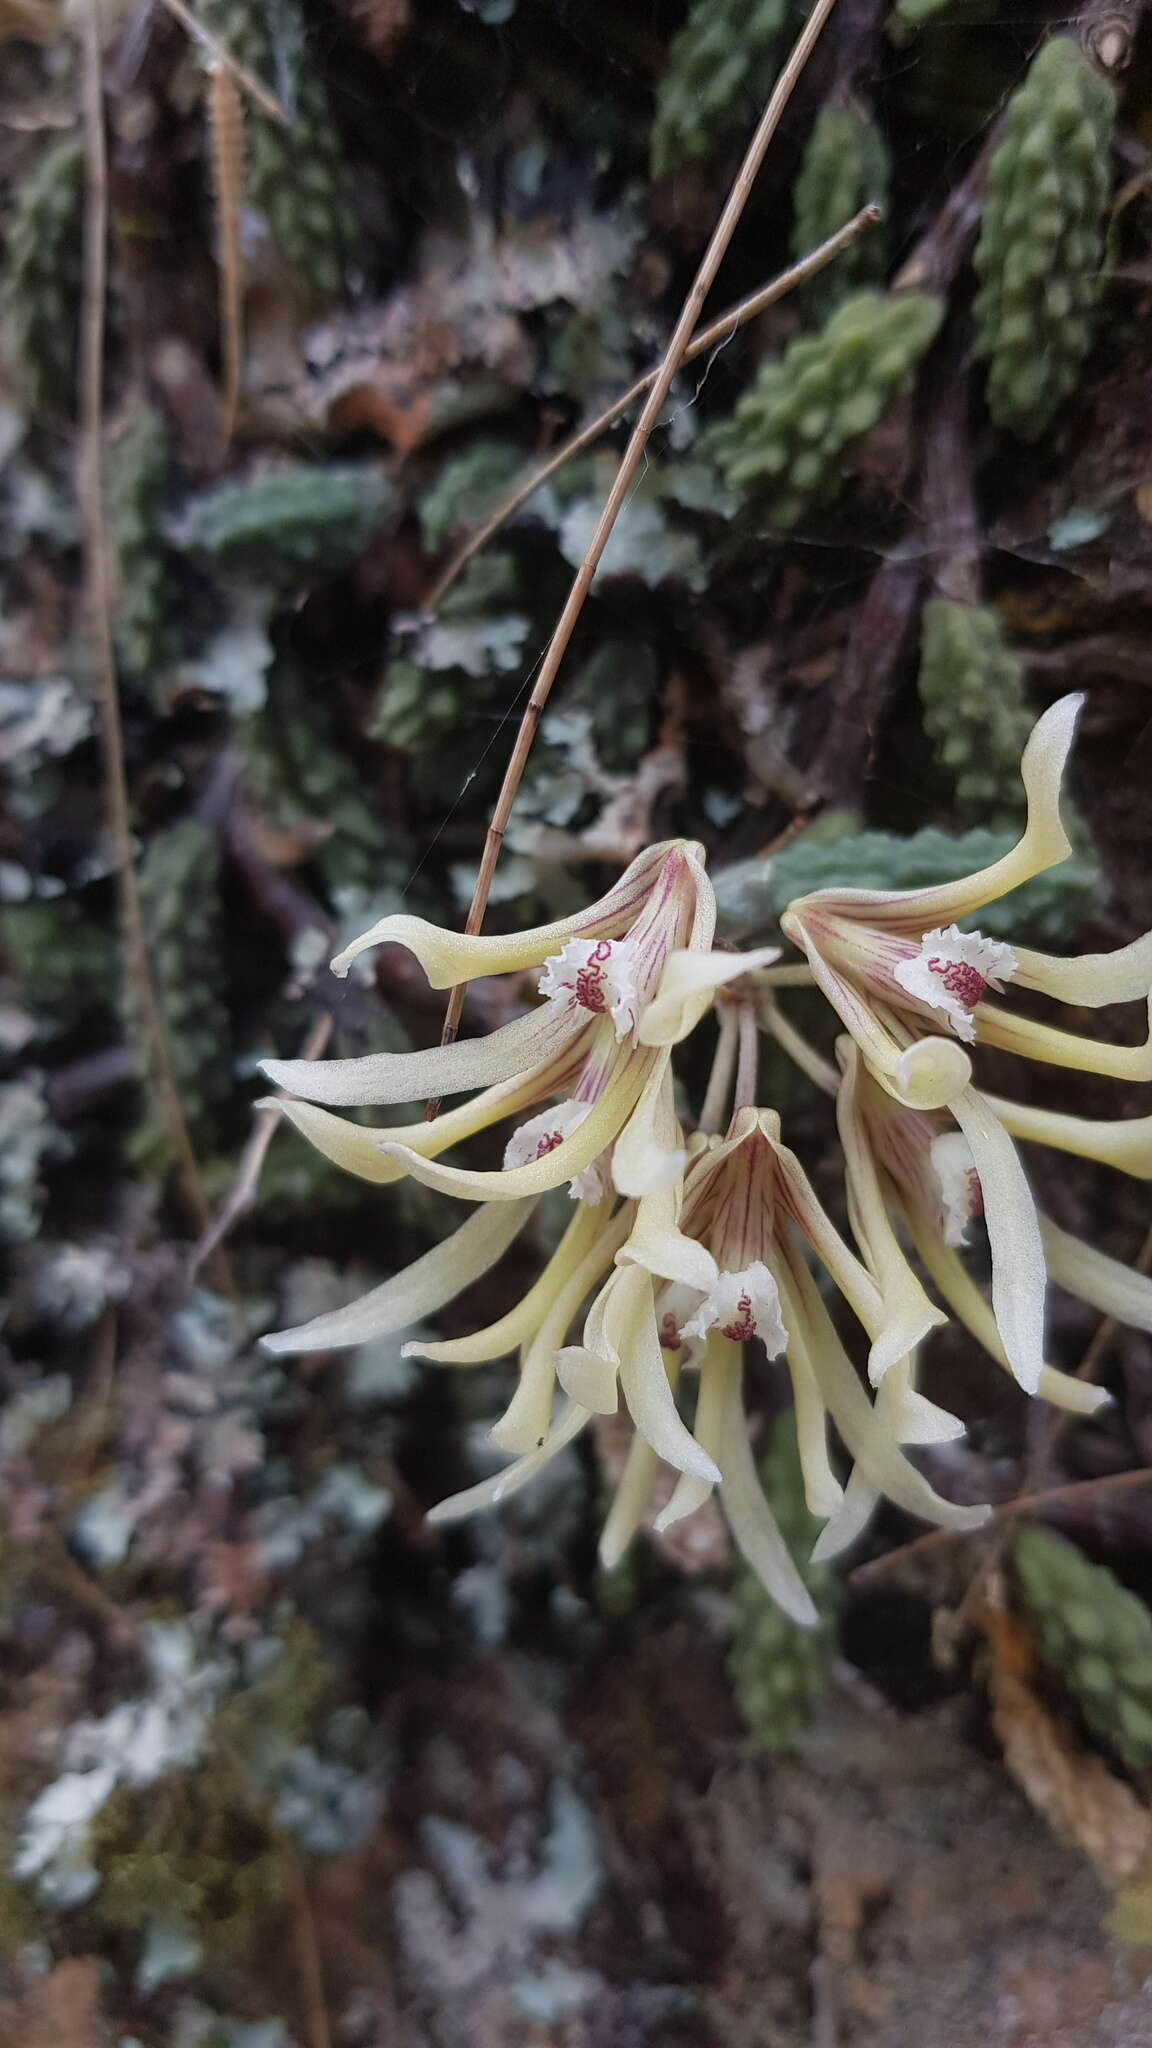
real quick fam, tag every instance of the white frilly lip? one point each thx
(952, 971)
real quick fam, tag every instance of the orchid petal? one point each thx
(1090, 979)
(576, 1151)
(501, 1485)
(968, 1305)
(823, 1492)
(749, 1516)
(1043, 844)
(385, 1077)
(1103, 1282)
(521, 1322)
(525, 1421)
(589, 1379)
(908, 1314)
(1033, 1041)
(359, 1149)
(1018, 1271)
(871, 1444)
(687, 987)
(691, 1491)
(644, 1381)
(1125, 1144)
(418, 1291)
(628, 1503)
(649, 1152)
(452, 957)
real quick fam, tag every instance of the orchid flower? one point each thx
(901, 974)
(622, 983)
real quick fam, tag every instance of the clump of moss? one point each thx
(1096, 1636)
(784, 442)
(720, 65)
(974, 713)
(1041, 242)
(845, 165)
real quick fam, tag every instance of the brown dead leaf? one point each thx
(1078, 1795)
(61, 2010)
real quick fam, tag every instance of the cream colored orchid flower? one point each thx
(622, 983)
(895, 966)
(931, 1187)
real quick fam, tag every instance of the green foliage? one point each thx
(189, 1846)
(25, 1136)
(138, 466)
(619, 686)
(1047, 910)
(466, 487)
(720, 68)
(779, 1669)
(299, 776)
(295, 174)
(63, 959)
(44, 274)
(783, 443)
(1095, 1634)
(289, 524)
(180, 905)
(441, 698)
(845, 165)
(1041, 242)
(973, 711)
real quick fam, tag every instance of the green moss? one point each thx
(64, 958)
(784, 442)
(721, 66)
(1041, 242)
(970, 688)
(845, 165)
(180, 906)
(1095, 1635)
(779, 1669)
(188, 1845)
(292, 523)
(44, 275)
(138, 477)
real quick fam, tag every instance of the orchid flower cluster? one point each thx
(685, 1244)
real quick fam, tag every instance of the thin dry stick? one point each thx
(245, 79)
(246, 1185)
(716, 332)
(101, 613)
(1005, 1511)
(226, 125)
(673, 356)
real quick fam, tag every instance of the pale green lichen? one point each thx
(44, 271)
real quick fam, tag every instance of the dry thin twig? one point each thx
(101, 613)
(712, 336)
(226, 127)
(221, 56)
(246, 1185)
(673, 356)
(1004, 1511)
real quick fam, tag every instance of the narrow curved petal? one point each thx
(358, 1149)
(862, 1428)
(1125, 1144)
(386, 1077)
(451, 957)
(1018, 1271)
(1033, 1041)
(687, 987)
(521, 1322)
(1091, 979)
(749, 1516)
(1043, 844)
(644, 1381)
(691, 1491)
(907, 1313)
(526, 1420)
(502, 1485)
(1109, 1286)
(631, 1497)
(421, 1289)
(589, 1378)
(649, 1152)
(968, 1305)
(823, 1492)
